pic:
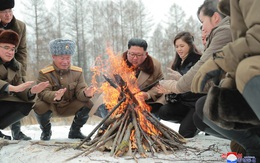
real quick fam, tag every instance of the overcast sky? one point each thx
(159, 8)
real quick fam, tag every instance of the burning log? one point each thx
(135, 128)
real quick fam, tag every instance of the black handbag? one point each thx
(188, 98)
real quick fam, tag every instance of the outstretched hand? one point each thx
(59, 93)
(89, 91)
(39, 87)
(21, 87)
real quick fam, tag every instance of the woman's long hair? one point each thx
(189, 39)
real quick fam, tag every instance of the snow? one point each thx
(202, 148)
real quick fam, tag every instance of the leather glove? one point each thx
(169, 85)
(208, 72)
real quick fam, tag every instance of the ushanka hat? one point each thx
(62, 47)
(6, 4)
(9, 36)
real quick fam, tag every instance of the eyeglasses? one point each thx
(9, 48)
(135, 55)
(8, 11)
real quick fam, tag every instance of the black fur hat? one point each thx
(224, 7)
(6, 4)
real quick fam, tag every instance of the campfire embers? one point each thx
(130, 127)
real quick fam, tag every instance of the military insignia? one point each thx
(76, 68)
(47, 69)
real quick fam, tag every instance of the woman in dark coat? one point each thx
(186, 56)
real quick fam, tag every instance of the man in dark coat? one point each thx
(67, 94)
(8, 21)
(15, 95)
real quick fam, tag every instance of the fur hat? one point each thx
(224, 7)
(62, 47)
(9, 36)
(6, 4)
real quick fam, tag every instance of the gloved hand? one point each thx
(169, 85)
(171, 74)
(208, 72)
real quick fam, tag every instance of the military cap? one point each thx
(62, 47)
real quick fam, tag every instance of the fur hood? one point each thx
(224, 7)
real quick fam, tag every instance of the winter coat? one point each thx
(190, 61)
(10, 73)
(21, 55)
(73, 99)
(219, 37)
(241, 57)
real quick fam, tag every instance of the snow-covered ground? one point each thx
(201, 149)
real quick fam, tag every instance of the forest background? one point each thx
(98, 25)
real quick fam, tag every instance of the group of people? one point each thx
(60, 89)
(215, 91)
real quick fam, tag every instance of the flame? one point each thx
(115, 65)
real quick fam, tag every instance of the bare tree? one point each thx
(39, 26)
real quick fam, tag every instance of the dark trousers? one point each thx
(179, 113)
(12, 112)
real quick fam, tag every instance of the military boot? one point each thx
(79, 120)
(17, 133)
(45, 125)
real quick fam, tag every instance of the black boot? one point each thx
(79, 120)
(17, 133)
(45, 125)
(248, 139)
(5, 136)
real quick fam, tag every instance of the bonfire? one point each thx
(129, 126)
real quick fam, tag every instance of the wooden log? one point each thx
(123, 147)
(120, 132)
(160, 144)
(137, 134)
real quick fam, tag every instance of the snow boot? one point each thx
(45, 125)
(79, 120)
(17, 133)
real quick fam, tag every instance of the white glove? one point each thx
(169, 85)
(171, 74)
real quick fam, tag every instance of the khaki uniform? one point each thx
(73, 99)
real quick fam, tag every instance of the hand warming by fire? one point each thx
(129, 126)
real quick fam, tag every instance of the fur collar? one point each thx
(13, 64)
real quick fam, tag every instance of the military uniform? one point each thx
(74, 98)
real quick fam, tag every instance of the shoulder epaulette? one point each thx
(47, 69)
(76, 68)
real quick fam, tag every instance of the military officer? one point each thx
(67, 94)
